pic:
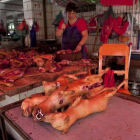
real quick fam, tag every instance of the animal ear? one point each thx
(43, 83)
(58, 84)
(48, 117)
(77, 100)
(54, 85)
(26, 96)
(69, 92)
(66, 120)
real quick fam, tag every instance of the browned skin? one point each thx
(39, 61)
(59, 99)
(16, 63)
(48, 66)
(63, 121)
(29, 103)
(61, 82)
(77, 86)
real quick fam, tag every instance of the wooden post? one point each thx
(45, 23)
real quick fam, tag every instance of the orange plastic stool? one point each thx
(116, 50)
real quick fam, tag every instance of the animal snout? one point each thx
(72, 91)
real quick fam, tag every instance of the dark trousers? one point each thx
(138, 40)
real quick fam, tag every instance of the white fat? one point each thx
(58, 84)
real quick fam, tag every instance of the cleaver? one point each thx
(65, 18)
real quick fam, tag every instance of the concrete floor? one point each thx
(9, 136)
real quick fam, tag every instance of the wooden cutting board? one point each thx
(32, 71)
(2, 96)
(33, 78)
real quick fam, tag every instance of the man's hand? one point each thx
(78, 48)
(59, 32)
(63, 26)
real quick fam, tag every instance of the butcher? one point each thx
(74, 33)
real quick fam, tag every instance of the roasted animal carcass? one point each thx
(15, 63)
(61, 82)
(49, 66)
(32, 53)
(29, 103)
(63, 120)
(39, 61)
(64, 63)
(47, 56)
(59, 98)
(6, 54)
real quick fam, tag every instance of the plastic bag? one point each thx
(22, 25)
(128, 30)
(102, 18)
(36, 26)
(120, 26)
(107, 28)
(27, 40)
(123, 38)
(113, 35)
(93, 23)
(58, 19)
(109, 80)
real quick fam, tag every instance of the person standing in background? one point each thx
(2, 31)
(75, 33)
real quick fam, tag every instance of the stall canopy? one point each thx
(63, 3)
(89, 5)
(82, 5)
(117, 2)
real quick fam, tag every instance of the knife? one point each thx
(65, 18)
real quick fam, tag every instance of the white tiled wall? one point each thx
(52, 11)
(27, 6)
(20, 96)
(28, 15)
(33, 10)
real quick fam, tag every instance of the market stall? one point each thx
(88, 93)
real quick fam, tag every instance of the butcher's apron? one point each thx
(71, 38)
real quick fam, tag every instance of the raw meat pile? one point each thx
(13, 65)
